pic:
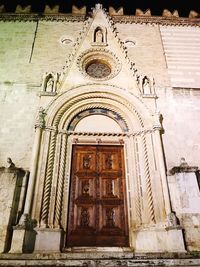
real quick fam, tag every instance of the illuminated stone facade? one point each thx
(101, 79)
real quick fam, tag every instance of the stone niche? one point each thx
(13, 183)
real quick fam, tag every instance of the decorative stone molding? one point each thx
(99, 56)
(36, 17)
(148, 181)
(51, 129)
(79, 14)
(157, 20)
(193, 20)
(61, 179)
(109, 113)
(95, 97)
(48, 181)
(129, 134)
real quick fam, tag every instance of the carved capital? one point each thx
(157, 121)
(40, 122)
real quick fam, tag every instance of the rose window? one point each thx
(98, 64)
(97, 69)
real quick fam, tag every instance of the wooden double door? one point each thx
(97, 207)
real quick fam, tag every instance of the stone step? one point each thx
(100, 262)
(95, 257)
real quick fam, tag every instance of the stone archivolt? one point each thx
(52, 186)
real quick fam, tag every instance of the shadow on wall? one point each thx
(13, 187)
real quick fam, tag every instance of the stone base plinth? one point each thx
(159, 240)
(22, 241)
(47, 240)
(18, 241)
(3, 233)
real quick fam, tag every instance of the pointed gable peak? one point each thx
(97, 8)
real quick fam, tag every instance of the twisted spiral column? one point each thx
(148, 181)
(138, 176)
(61, 176)
(48, 182)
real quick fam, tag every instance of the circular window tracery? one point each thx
(98, 69)
(99, 64)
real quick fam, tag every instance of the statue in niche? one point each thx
(98, 36)
(50, 85)
(50, 81)
(146, 85)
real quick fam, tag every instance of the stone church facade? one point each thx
(98, 144)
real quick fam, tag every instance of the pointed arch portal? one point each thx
(100, 179)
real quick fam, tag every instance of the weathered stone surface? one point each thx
(95, 260)
(10, 189)
(58, 47)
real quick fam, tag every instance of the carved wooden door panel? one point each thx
(97, 206)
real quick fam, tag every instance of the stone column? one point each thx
(33, 170)
(162, 170)
(23, 234)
